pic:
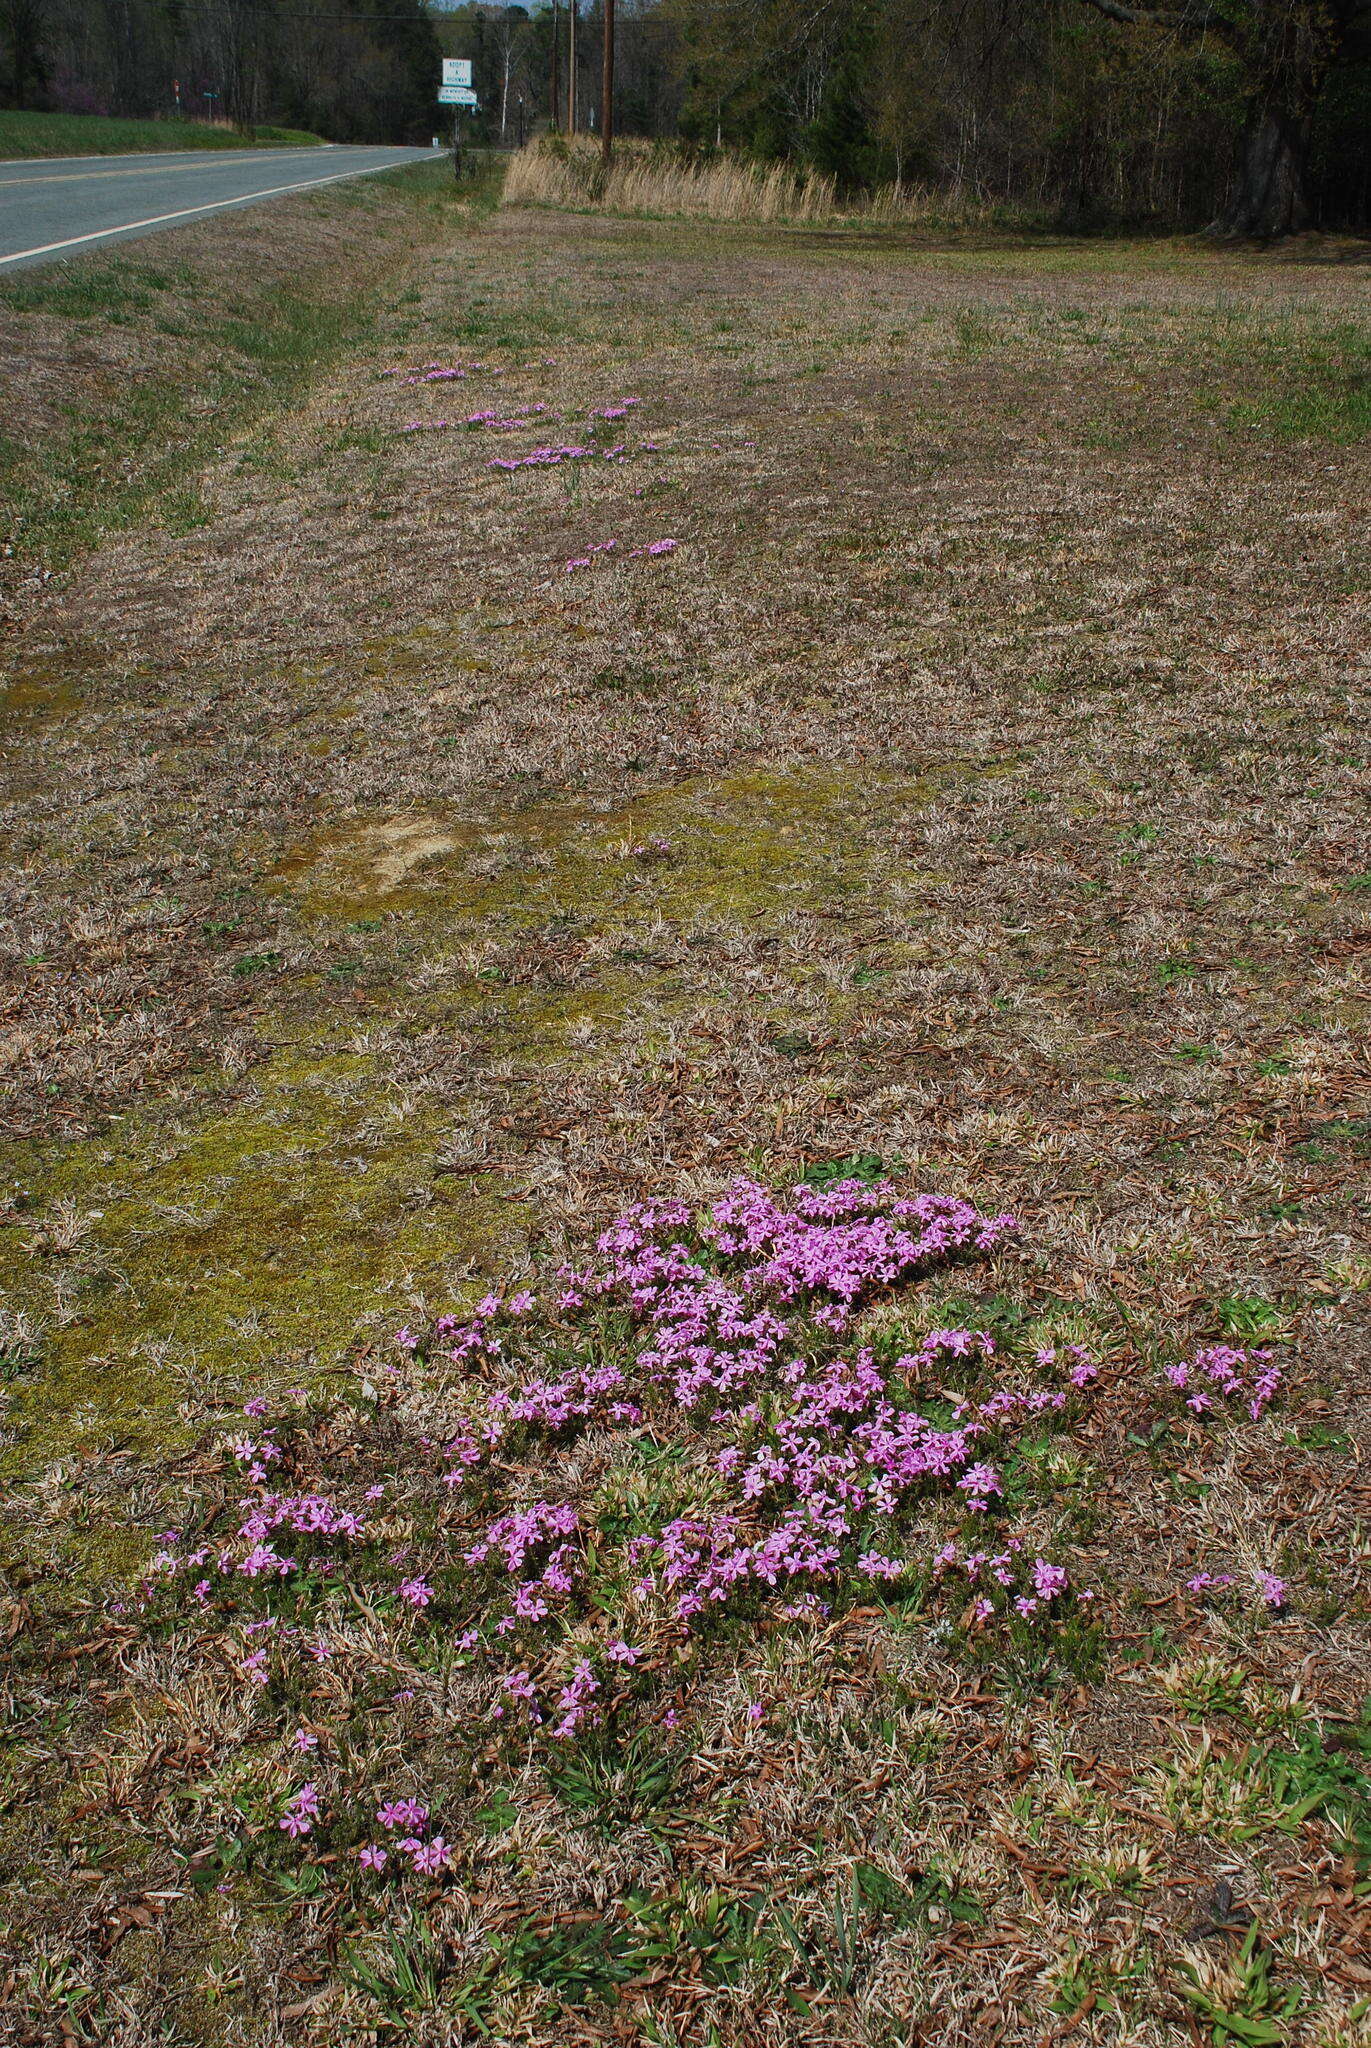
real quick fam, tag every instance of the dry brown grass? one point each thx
(1003, 705)
(653, 180)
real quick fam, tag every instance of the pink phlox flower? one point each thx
(1048, 1579)
(429, 1858)
(372, 1856)
(1205, 1582)
(878, 1567)
(978, 1483)
(417, 1592)
(402, 1813)
(302, 1810)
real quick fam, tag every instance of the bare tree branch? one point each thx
(1192, 18)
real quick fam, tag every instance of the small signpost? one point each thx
(455, 90)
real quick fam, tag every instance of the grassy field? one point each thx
(23, 134)
(899, 742)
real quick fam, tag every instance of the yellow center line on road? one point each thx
(158, 220)
(148, 171)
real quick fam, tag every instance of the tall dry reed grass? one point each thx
(646, 178)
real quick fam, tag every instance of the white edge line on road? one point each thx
(158, 220)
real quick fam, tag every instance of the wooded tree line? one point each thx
(1253, 115)
(350, 70)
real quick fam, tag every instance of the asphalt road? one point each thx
(51, 207)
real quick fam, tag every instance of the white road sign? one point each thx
(456, 96)
(457, 71)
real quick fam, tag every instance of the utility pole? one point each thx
(573, 9)
(607, 87)
(555, 91)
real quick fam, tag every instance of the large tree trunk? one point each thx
(1269, 199)
(23, 24)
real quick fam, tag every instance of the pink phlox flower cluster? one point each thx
(247, 1451)
(402, 1813)
(821, 1446)
(845, 1241)
(426, 1859)
(438, 373)
(978, 1482)
(471, 1339)
(416, 1592)
(520, 1686)
(301, 1812)
(957, 1344)
(705, 1562)
(600, 547)
(877, 1566)
(541, 458)
(1073, 1359)
(516, 1534)
(1027, 1586)
(1006, 1402)
(504, 422)
(575, 1700)
(306, 1514)
(1249, 1376)
(1208, 1582)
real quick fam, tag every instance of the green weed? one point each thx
(614, 1788)
(1239, 2002)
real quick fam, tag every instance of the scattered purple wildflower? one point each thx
(1247, 1376)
